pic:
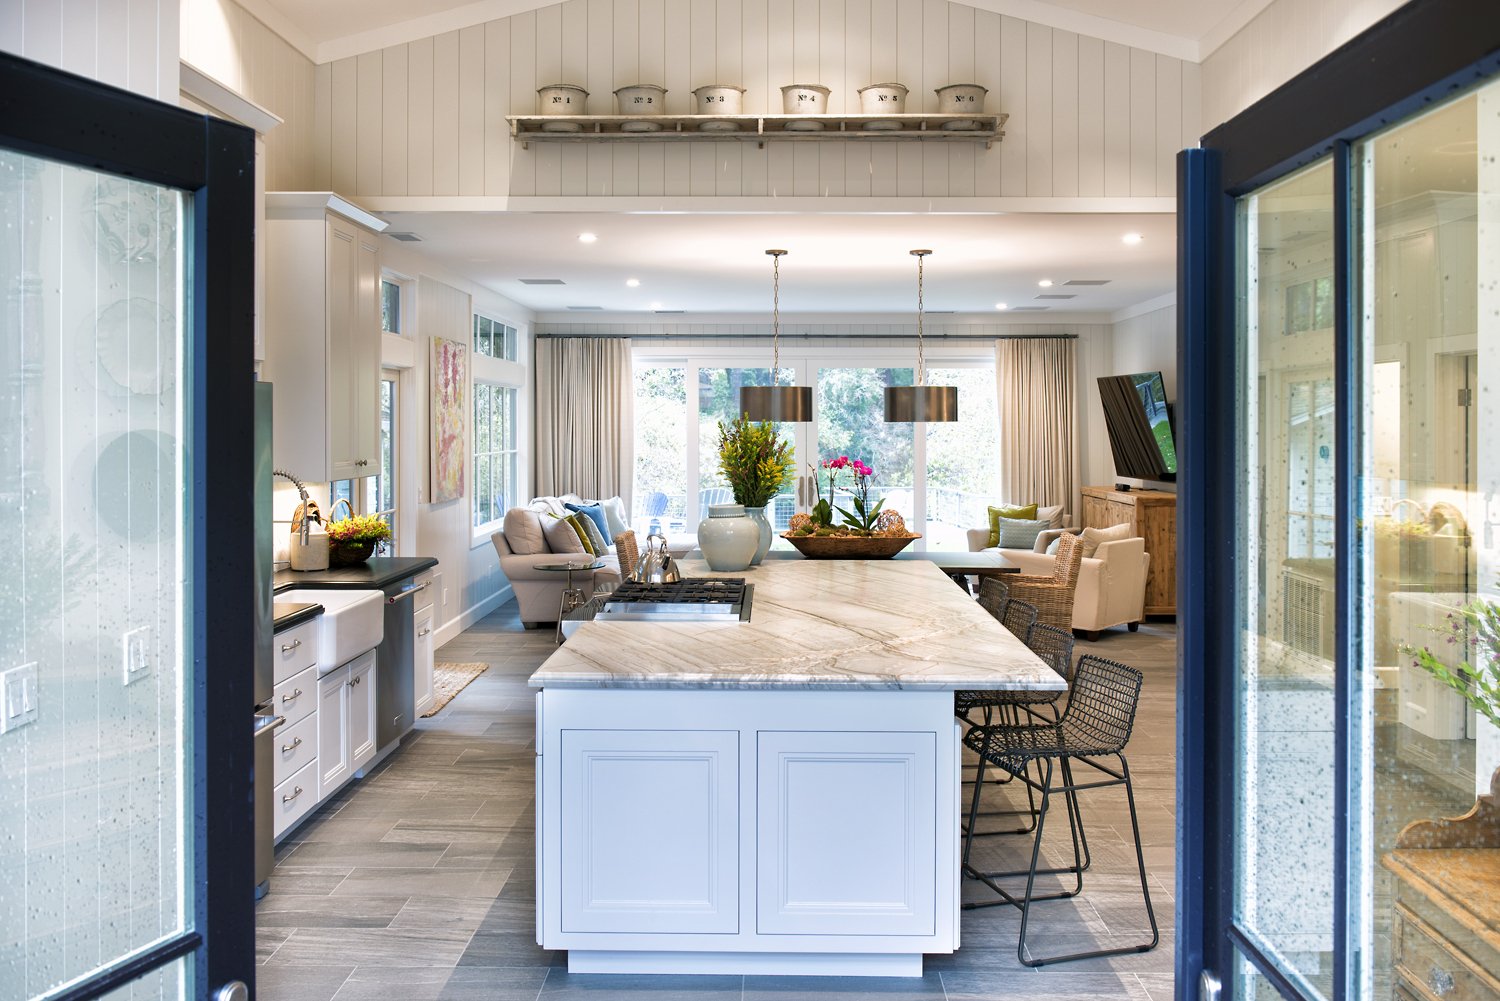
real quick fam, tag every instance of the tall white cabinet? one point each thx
(323, 334)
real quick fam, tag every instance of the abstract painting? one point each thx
(449, 364)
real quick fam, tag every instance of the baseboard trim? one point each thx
(813, 964)
(453, 627)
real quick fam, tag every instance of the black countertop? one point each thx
(374, 574)
(291, 613)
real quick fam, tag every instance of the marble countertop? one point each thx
(814, 624)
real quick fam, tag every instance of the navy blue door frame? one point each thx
(1417, 57)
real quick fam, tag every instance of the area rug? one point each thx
(450, 679)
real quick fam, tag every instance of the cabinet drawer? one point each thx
(295, 650)
(1424, 958)
(427, 582)
(295, 797)
(296, 747)
(297, 696)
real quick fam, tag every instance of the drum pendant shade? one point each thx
(921, 402)
(778, 404)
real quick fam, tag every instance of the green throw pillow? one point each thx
(1025, 512)
(583, 536)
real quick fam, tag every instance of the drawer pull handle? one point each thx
(423, 632)
(289, 647)
(292, 697)
(296, 791)
(296, 743)
(1440, 980)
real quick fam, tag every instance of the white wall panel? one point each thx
(1088, 118)
(133, 44)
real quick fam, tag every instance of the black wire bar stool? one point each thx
(1095, 727)
(1018, 617)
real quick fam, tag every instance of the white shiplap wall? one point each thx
(125, 43)
(225, 41)
(1088, 117)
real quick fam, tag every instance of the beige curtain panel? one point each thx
(585, 417)
(1036, 387)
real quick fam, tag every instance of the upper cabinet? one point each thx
(323, 334)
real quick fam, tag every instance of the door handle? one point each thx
(423, 632)
(267, 722)
(289, 647)
(288, 748)
(292, 697)
(296, 791)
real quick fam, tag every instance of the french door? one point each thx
(1339, 341)
(127, 603)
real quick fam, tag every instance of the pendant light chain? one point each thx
(921, 373)
(775, 317)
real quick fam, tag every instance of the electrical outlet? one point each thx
(445, 597)
(18, 697)
(136, 646)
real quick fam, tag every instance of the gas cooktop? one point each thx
(707, 599)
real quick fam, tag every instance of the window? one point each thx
(660, 440)
(494, 452)
(390, 306)
(377, 494)
(493, 339)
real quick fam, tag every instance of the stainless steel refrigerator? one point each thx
(266, 718)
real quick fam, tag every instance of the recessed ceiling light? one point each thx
(633, 282)
(656, 305)
(586, 238)
(1132, 239)
(1045, 283)
(1001, 305)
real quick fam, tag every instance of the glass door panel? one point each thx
(719, 400)
(850, 408)
(1284, 862)
(95, 846)
(963, 476)
(661, 448)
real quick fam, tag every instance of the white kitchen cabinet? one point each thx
(421, 661)
(323, 335)
(346, 722)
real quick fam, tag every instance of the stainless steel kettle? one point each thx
(656, 565)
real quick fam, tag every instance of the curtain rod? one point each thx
(809, 337)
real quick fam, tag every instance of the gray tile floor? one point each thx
(417, 882)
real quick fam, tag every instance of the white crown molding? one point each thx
(1214, 39)
(1142, 308)
(283, 26)
(1035, 11)
(223, 99)
(790, 322)
(766, 205)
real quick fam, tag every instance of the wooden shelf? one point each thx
(758, 129)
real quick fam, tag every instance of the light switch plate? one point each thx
(136, 650)
(18, 697)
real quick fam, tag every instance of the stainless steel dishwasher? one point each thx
(394, 695)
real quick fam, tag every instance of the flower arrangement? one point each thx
(865, 520)
(754, 460)
(1479, 686)
(352, 540)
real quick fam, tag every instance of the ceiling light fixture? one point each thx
(1131, 239)
(587, 238)
(775, 402)
(633, 282)
(1045, 283)
(920, 402)
(1001, 305)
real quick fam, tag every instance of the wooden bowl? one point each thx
(834, 547)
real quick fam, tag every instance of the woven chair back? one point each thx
(1055, 646)
(1019, 618)
(1068, 562)
(628, 553)
(1101, 706)
(994, 595)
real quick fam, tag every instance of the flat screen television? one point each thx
(1139, 421)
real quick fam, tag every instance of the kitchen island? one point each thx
(773, 796)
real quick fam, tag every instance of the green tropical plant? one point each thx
(755, 461)
(1479, 686)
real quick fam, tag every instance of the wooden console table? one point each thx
(1152, 515)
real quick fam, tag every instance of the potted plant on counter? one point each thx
(868, 532)
(352, 540)
(757, 464)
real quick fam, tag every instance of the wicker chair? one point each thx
(627, 552)
(994, 595)
(1053, 596)
(1096, 727)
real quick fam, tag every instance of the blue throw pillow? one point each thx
(594, 513)
(1019, 533)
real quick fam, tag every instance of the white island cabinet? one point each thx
(774, 796)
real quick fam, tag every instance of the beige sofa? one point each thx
(1111, 583)
(539, 592)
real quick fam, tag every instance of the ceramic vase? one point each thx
(759, 516)
(728, 538)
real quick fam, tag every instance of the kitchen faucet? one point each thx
(307, 513)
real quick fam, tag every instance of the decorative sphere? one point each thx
(890, 522)
(798, 521)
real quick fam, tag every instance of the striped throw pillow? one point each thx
(596, 539)
(1021, 533)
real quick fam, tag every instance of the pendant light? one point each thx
(776, 403)
(920, 402)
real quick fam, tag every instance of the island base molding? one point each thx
(783, 964)
(772, 830)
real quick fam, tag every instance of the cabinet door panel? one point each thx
(343, 345)
(846, 833)
(361, 696)
(421, 661)
(650, 838)
(333, 731)
(365, 392)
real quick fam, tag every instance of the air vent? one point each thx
(586, 309)
(1029, 309)
(1068, 296)
(541, 281)
(666, 311)
(1088, 281)
(405, 237)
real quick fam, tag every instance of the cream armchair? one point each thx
(1111, 583)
